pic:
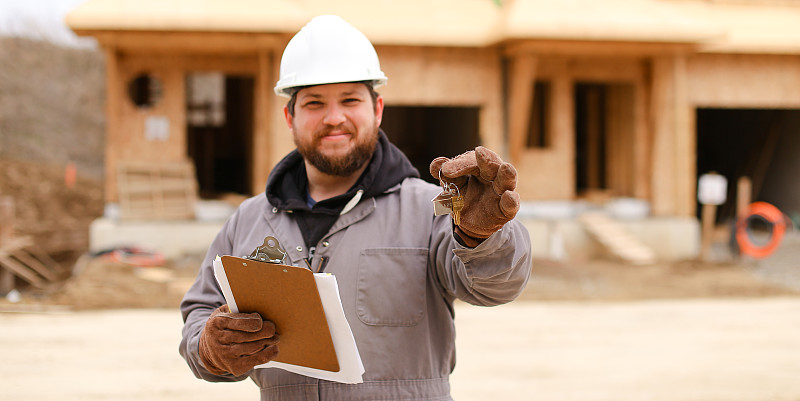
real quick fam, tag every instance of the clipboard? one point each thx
(287, 296)
(306, 308)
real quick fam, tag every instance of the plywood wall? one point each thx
(128, 137)
(439, 76)
(545, 173)
(652, 158)
(549, 173)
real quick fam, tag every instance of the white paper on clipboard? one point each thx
(351, 367)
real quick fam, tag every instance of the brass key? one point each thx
(449, 201)
(457, 203)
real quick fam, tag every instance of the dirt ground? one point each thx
(101, 283)
(723, 349)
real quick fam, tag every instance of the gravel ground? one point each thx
(783, 266)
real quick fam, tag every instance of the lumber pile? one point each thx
(23, 259)
(156, 190)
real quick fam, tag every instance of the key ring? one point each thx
(447, 187)
(450, 187)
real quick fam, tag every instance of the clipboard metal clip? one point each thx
(270, 251)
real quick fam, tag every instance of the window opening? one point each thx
(145, 91)
(539, 124)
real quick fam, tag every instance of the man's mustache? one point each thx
(327, 130)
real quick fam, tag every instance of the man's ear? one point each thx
(378, 110)
(288, 117)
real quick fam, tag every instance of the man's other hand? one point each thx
(236, 342)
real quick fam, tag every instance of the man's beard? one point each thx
(341, 166)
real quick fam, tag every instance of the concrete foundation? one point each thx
(671, 238)
(557, 234)
(172, 238)
(554, 228)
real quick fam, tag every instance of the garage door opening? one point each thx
(424, 133)
(219, 126)
(761, 144)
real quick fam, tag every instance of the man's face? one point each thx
(335, 126)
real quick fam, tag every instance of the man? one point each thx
(348, 202)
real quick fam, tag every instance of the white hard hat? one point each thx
(328, 50)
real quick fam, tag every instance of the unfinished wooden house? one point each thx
(592, 101)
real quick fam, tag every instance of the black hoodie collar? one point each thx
(287, 184)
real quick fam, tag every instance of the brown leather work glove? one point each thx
(236, 342)
(487, 184)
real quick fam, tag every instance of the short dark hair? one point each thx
(293, 100)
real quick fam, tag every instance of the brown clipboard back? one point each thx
(287, 296)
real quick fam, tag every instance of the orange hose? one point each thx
(777, 222)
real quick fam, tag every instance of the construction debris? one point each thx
(20, 257)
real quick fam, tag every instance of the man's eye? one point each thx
(351, 101)
(313, 103)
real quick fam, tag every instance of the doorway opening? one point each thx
(761, 144)
(219, 127)
(426, 132)
(604, 135)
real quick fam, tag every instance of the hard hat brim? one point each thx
(288, 89)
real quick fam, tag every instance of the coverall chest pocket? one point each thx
(391, 286)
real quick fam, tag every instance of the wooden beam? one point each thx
(10, 260)
(21, 271)
(520, 87)
(617, 69)
(34, 264)
(673, 176)
(642, 140)
(43, 257)
(114, 95)
(744, 195)
(685, 152)
(563, 135)
(7, 217)
(707, 218)
(662, 109)
(259, 151)
(188, 41)
(597, 48)
(231, 64)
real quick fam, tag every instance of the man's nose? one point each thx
(334, 115)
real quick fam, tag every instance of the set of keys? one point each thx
(449, 201)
